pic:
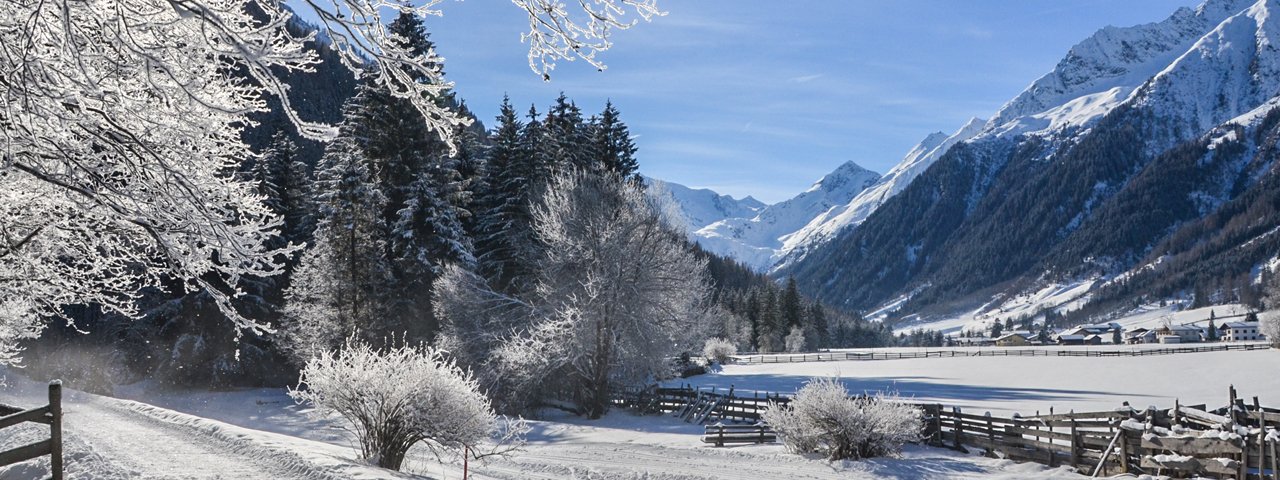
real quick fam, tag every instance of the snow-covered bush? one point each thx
(399, 397)
(823, 419)
(1269, 325)
(795, 340)
(719, 350)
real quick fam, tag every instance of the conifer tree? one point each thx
(611, 146)
(790, 306)
(340, 287)
(565, 143)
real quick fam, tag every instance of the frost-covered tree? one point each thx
(1269, 321)
(794, 341)
(121, 123)
(618, 293)
(823, 419)
(627, 286)
(341, 285)
(719, 350)
(396, 398)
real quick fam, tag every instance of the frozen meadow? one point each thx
(262, 433)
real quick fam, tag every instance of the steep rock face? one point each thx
(757, 241)
(1064, 179)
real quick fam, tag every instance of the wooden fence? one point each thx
(1078, 351)
(51, 415)
(1240, 441)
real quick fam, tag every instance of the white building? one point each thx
(1240, 332)
(1185, 333)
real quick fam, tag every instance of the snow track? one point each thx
(166, 445)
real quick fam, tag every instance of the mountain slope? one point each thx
(698, 208)
(757, 241)
(1063, 180)
(827, 225)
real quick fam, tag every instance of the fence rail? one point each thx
(989, 352)
(1172, 441)
(50, 415)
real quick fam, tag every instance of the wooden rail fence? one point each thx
(51, 415)
(1241, 441)
(1078, 351)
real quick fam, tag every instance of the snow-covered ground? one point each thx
(1005, 385)
(252, 434)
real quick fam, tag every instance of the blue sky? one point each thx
(763, 98)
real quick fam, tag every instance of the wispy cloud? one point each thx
(806, 78)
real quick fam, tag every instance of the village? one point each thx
(1246, 329)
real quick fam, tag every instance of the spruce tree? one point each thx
(611, 147)
(565, 137)
(790, 306)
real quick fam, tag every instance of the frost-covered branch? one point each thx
(121, 124)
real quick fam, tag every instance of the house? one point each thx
(1094, 339)
(1140, 335)
(1185, 333)
(1240, 332)
(1106, 332)
(1070, 339)
(1014, 339)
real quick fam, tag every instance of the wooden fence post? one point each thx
(55, 429)
(937, 424)
(958, 423)
(1075, 444)
(991, 437)
(1124, 451)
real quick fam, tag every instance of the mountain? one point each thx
(1144, 160)
(757, 240)
(826, 225)
(697, 208)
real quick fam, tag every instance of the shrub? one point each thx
(719, 350)
(823, 419)
(397, 398)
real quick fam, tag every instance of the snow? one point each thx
(261, 433)
(702, 207)
(830, 223)
(760, 241)
(1004, 385)
(1059, 296)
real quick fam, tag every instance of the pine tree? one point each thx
(426, 195)
(753, 313)
(611, 147)
(341, 286)
(565, 142)
(506, 247)
(818, 319)
(790, 306)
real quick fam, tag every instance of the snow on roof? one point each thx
(1024, 335)
(1240, 325)
(1071, 337)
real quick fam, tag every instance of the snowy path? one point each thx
(144, 443)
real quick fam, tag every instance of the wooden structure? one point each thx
(989, 352)
(1241, 441)
(50, 415)
(721, 434)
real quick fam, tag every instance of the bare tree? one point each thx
(120, 123)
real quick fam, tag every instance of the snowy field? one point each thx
(1004, 385)
(261, 434)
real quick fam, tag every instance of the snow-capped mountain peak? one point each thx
(831, 222)
(698, 207)
(1103, 71)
